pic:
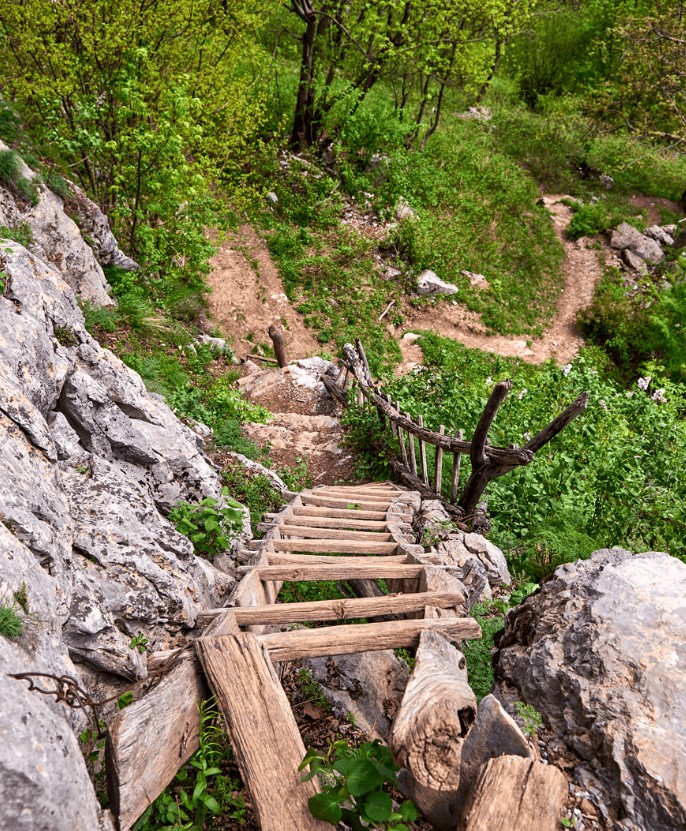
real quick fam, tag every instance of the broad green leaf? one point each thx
(325, 806)
(363, 777)
(378, 806)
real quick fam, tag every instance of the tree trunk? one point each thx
(303, 134)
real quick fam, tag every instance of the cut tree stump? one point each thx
(262, 730)
(430, 727)
(512, 792)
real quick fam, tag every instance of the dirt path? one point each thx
(582, 269)
(248, 296)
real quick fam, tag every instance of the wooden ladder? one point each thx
(359, 534)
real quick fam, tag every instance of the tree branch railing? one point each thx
(487, 462)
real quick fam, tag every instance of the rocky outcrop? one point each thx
(90, 463)
(430, 284)
(626, 237)
(599, 651)
(56, 238)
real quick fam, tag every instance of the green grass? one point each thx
(11, 622)
(478, 653)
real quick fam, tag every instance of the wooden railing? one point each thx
(487, 462)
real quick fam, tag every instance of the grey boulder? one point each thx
(626, 236)
(429, 284)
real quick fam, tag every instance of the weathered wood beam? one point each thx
(338, 513)
(332, 533)
(348, 638)
(262, 730)
(344, 571)
(332, 546)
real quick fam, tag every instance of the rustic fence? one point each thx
(410, 435)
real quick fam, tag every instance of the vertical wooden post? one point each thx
(394, 428)
(413, 455)
(456, 471)
(279, 348)
(438, 477)
(401, 439)
(422, 453)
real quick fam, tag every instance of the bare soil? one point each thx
(652, 204)
(248, 297)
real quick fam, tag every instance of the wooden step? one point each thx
(343, 546)
(346, 609)
(339, 571)
(333, 522)
(323, 560)
(342, 502)
(365, 637)
(338, 513)
(373, 493)
(288, 531)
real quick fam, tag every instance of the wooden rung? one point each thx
(332, 533)
(336, 571)
(342, 640)
(343, 502)
(336, 546)
(372, 493)
(323, 560)
(346, 609)
(326, 522)
(341, 513)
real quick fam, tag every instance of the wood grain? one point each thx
(262, 730)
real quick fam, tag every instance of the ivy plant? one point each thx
(355, 787)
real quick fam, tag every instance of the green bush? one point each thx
(209, 525)
(11, 621)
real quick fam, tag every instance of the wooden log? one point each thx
(279, 347)
(348, 638)
(332, 533)
(326, 522)
(282, 559)
(512, 792)
(362, 502)
(403, 449)
(343, 546)
(422, 453)
(394, 427)
(344, 571)
(413, 454)
(455, 480)
(337, 513)
(262, 730)
(151, 739)
(435, 715)
(345, 609)
(438, 473)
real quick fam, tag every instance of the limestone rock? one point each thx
(430, 284)
(403, 211)
(95, 227)
(634, 262)
(57, 240)
(626, 236)
(660, 235)
(370, 685)
(599, 651)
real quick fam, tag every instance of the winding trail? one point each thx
(582, 270)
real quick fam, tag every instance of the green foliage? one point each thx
(65, 336)
(11, 621)
(10, 175)
(355, 785)
(200, 790)
(478, 653)
(209, 525)
(21, 597)
(529, 718)
(21, 234)
(305, 591)
(312, 691)
(139, 642)
(589, 220)
(257, 493)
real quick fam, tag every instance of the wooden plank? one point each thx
(513, 792)
(366, 503)
(333, 522)
(344, 571)
(382, 489)
(394, 428)
(338, 513)
(282, 559)
(262, 730)
(413, 454)
(345, 609)
(403, 449)
(347, 638)
(438, 474)
(422, 452)
(151, 739)
(332, 533)
(336, 546)
(455, 481)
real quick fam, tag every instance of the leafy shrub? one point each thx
(209, 525)
(589, 220)
(21, 234)
(354, 787)
(11, 622)
(10, 174)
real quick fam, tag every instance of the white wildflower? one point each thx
(601, 403)
(644, 383)
(527, 436)
(566, 369)
(489, 381)
(522, 393)
(659, 396)
(629, 393)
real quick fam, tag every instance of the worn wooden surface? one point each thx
(340, 546)
(436, 712)
(262, 730)
(512, 792)
(152, 738)
(338, 571)
(347, 638)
